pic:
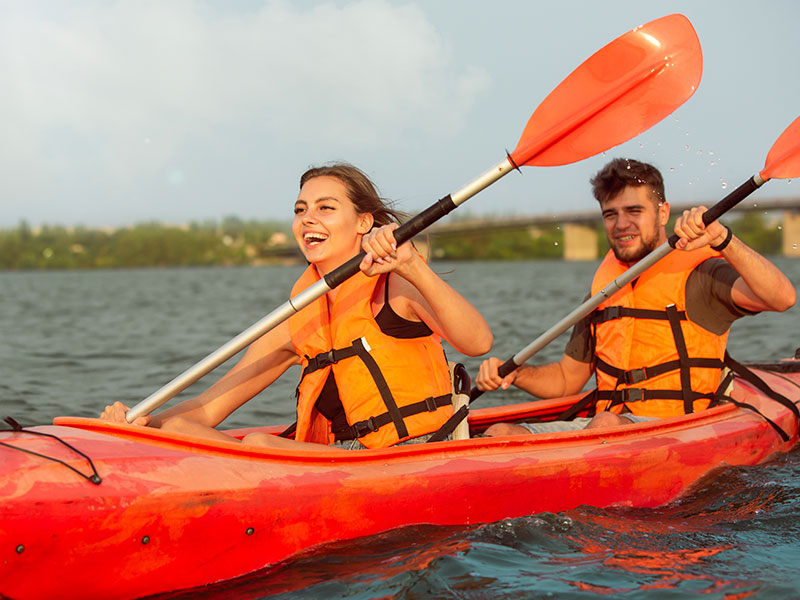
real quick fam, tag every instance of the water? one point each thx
(75, 341)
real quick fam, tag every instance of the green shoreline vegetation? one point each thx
(233, 241)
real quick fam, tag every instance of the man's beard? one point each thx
(634, 255)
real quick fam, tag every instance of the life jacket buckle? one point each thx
(362, 428)
(324, 359)
(430, 404)
(635, 376)
(611, 313)
(632, 395)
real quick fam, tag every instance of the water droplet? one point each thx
(779, 227)
(711, 153)
(755, 205)
(672, 169)
(555, 243)
(687, 147)
(699, 153)
(794, 246)
(724, 185)
(713, 163)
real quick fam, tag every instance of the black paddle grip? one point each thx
(402, 234)
(724, 205)
(503, 370)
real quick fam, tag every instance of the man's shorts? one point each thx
(575, 424)
(554, 426)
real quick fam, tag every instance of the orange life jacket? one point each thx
(391, 389)
(649, 356)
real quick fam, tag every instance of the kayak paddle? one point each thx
(620, 91)
(783, 162)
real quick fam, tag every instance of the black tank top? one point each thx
(393, 325)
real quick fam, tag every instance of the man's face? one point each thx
(634, 223)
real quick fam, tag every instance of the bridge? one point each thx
(581, 229)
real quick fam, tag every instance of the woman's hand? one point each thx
(383, 254)
(116, 414)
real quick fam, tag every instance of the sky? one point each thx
(121, 112)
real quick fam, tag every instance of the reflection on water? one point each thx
(73, 342)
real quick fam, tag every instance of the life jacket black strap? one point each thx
(367, 426)
(683, 357)
(611, 313)
(626, 395)
(634, 376)
(394, 412)
(325, 359)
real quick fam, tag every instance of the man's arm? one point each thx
(552, 380)
(760, 286)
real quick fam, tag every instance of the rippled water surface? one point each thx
(75, 341)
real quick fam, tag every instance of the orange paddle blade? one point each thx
(620, 91)
(783, 160)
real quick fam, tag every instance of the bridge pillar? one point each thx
(791, 234)
(580, 242)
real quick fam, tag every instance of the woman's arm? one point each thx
(419, 294)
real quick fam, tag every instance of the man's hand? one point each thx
(489, 379)
(694, 233)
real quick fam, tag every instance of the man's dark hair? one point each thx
(623, 172)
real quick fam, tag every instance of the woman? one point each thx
(374, 371)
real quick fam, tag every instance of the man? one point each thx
(656, 345)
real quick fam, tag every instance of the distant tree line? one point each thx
(237, 242)
(229, 242)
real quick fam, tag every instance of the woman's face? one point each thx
(326, 226)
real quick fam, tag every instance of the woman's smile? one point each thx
(326, 226)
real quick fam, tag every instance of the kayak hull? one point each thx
(175, 512)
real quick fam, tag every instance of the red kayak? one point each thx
(168, 512)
